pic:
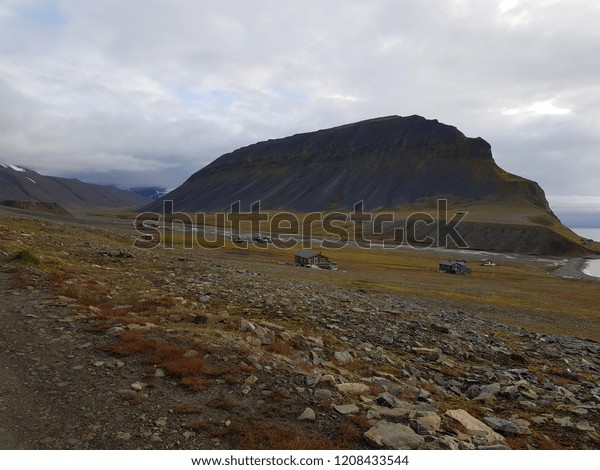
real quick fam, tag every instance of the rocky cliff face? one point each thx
(386, 162)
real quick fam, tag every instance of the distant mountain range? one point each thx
(22, 184)
(150, 192)
(386, 162)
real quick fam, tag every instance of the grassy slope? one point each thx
(486, 214)
(519, 292)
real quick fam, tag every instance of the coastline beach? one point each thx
(579, 268)
(592, 268)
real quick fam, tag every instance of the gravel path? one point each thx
(51, 395)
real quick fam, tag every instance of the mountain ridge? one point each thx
(386, 162)
(23, 184)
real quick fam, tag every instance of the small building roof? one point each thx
(306, 254)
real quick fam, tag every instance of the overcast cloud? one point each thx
(148, 91)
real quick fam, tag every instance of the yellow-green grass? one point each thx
(514, 292)
(305, 224)
(520, 292)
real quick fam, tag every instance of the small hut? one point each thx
(311, 259)
(454, 267)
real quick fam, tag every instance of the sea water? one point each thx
(592, 268)
(593, 233)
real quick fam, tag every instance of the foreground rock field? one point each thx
(109, 347)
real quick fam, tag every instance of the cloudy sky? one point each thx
(145, 92)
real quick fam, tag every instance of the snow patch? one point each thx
(31, 180)
(17, 168)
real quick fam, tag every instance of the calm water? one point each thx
(593, 268)
(593, 233)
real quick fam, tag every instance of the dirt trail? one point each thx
(51, 396)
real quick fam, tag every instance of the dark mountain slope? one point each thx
(386, 162)
(21, 184)
(37, 206)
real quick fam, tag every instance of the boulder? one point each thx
(307, 415)
(475, 428)
(393, 435)
(343, 357)
(347, 409)
(428, 422)
(354, 388)
(505, 426)
(431, 354)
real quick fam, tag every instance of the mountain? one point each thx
(37, 206)
(402, 164)
(150, 192)
(387, 162)
(22, 184)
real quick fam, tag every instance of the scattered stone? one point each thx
(161, 422)
(440, 329)
(386, 399)
(328, 379)
(254, 341)
(378, 412)
(199, 319)
(245, 325)
(529, 394)
(486, 398)
(393, 435)
(504, 426)
(431, 354)
(449, 443)
(251, 380)
(510, 392)
(354, 388)
(429, 422)
(343, 356)
(322, 394)
(564, 421)
(585, 426)
(474, 427)
(308, 415)
(312, 379)
(138, 386)
(347, 409)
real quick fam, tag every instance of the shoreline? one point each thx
(573, 269)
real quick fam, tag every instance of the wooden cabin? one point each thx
(307, 258)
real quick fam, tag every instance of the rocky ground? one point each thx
(111, 348)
